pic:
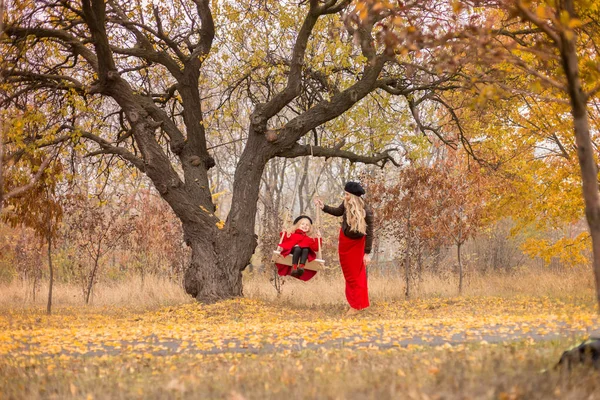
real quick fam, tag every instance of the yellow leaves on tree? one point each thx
(569, 251)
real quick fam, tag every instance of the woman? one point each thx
(356, 239)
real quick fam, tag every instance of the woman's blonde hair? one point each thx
(355, 214)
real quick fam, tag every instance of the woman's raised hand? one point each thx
(319, 203)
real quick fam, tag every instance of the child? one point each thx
(301, 246)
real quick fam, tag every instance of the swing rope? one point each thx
(318, 214)
(287, 222)
(287, 219)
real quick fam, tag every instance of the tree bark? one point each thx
(460, 269)
(407, 257)
(1, 151)
(213, 273)
(35, 282)
(1, 123)
(419, 261)
(90, 284)
(220, 255)
(142, 275)
(51, 282)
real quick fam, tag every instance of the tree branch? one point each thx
(531, 17)
(94, 12)
(328, 110)
(108, 148)
(167, 124)
(163, 36)
(412, 105)
(299, 150)
(161, 58)
(145, 49)
(593, 92)
(263, 112)
(63, 37)
(54, 81)
(207, 33)
(515, 35)
(332, 8)
(391, 86)
(19, 191)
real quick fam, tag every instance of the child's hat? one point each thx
(355, 188)
(301, 217)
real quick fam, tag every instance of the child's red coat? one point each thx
(300, 238)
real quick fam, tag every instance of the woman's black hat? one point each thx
(302, 216)
(355, 188)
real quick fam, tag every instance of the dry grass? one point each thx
(329, 288)
(515, 371)
(324, 289)
(155, 293)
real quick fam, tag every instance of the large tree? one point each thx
(136, 79)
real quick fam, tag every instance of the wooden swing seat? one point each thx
(314, 265)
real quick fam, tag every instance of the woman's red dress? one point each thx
(352, 253)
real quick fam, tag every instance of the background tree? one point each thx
(22, 160)
(42, 211)
(155, 237)
(97, 230)
(427, 207)
(405, 203)
(537, 52)
(459, 197)
(564, 27)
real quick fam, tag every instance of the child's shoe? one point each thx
(295, 271)
(300, 270)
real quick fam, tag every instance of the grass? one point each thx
(329, 289)
(323, 290)
(156, 292)
(515, 370)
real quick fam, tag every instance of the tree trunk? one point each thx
(143, 264)
(220, 255)
(460, 269)
(51, 283)
(33, 291)
(437, 258)
(585, 149)
(407, 257)
(1, 150)
(90, 285)
(375, 260)
(1, 125)
(419, 261)
(214, 273)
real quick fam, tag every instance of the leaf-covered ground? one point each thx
(178, 350)
(252, 326)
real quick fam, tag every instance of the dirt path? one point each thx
(383, 335)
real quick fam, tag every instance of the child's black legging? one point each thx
(299, 254)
